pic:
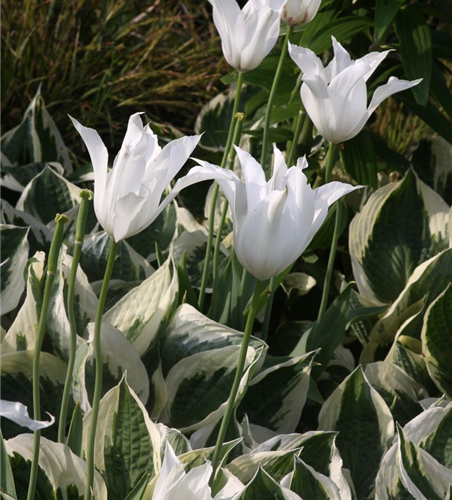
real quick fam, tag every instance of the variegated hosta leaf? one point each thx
(179, 443)
(39, 236)
(140, 313)
(38, 134)
(60, 195)
(423, 476)
(61, 475)
(277, 394)
(302, 283)
(308, 483)
(127, 441)
(198, 456)
(16, 382)
(397, 388)
(118, 357)
(85, 305)
(190, 332)
(276, 463)
(262, 485)
(318, 450)
(17, 177)
(426, 283)
(431, 431)
(401, 226)
(437, 340)
(199, 385)
(15, 248)
(129, 265)
(21, 334)
(365, 425)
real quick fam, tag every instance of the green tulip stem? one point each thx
(259, 287)
(205, 271)
(99, 366)
(224, 209)
(329, 270)
(271, 97)
(299, 120)
(86, 196)
(268, 309)
(52, 264)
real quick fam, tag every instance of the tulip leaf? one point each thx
(15, 248)
(343, 28)
(385, 11)
(75, 434)
(365, 425)
(61, 473)
(127, 441)
(402, 225)
(276, 396)
(47, 194)
(437, 340)
(416, 49)
(186, 292)
(359, 158)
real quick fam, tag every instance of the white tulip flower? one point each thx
(275, 221)
(174, 483)
(300, 12)
(247, 35)
(335, 97)
(128, 197)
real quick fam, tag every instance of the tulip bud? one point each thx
(300, 12)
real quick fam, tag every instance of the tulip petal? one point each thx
(279, 171)
(153, 148)
(331, 192)
(226, 15)
(339, 63)
(18, 413)
(306, 60)
(393, 86)
(171, 473)
(193, 486)
(254, 177)
(375, 59)
(99, 158)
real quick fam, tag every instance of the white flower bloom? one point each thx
(174, 483)
(275, 221)
(18, 413)
(128, 197)
(335, 97)
(247, 35)
(300, 12)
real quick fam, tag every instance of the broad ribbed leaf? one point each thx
(127, 441)
(48, 194)
(15, 248)
(61, 474)
(437, 340)
(129, 265)
(365, 425)
(359, 158)
(140, 313)
(416, 49)
(401, 226)
(263, 486)
(385, 11)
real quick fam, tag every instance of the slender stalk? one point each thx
(237, 379)
(272, 95)
(300, 119)
(52, 264)
(86, 195)
(205, 271)
(268, 309)
(224, 210)
(329, 270)
(98, 374)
